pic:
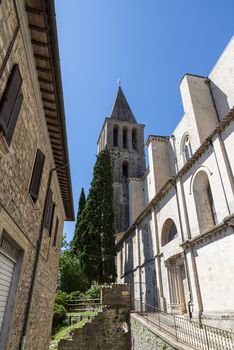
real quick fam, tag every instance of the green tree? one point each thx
(96, 247)
(81, 206)
(72, 277)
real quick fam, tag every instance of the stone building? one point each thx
(177, 252)
(35, 186)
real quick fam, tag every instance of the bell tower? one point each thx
(125, 138)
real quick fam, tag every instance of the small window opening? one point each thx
(125, 138)
(125, 169)
(115, 136)
(187, 149)
(134, 139)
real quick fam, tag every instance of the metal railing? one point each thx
(197, 335)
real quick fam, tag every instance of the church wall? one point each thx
(215, 267)
(186, 126)
(159, 162)
(206, 163)
(222, 77)
(202, 106)
(199, 258)
(228, 140)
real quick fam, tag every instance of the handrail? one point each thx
(197, 335)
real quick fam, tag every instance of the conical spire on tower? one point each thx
(121, 109)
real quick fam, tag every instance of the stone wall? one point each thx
(144, 339)
(116, 294)
(20, 217)
(102, 333)
(105, 331)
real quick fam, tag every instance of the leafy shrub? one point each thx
(72, 277)
(76, 295)
(94, 292)
(59, 314)
(61, 298)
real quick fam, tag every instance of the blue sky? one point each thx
(149, 45)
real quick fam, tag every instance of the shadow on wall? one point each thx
(129, 265)
(149, 295)
(220, 100)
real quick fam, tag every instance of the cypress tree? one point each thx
(96, 247)
(81, 206)
(107, 234)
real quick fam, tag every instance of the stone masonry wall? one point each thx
(143, 339)
(104, 332)
(20, 217)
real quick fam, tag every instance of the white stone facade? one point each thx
(178, 252)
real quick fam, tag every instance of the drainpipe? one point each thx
(35, 267)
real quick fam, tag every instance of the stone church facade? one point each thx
(35, 186)
(176, 242)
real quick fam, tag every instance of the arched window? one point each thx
(206, 213)
(187, 149)
(125, 169)
(125, 137)
(115, 136)
(134, 139)
(169, 231)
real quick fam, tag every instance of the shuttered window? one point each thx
(49, 213)
(6, 273)
(10, 103)
(56, 232)
(8, 260)
(36, 175)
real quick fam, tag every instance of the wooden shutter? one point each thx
(51, 220)
(49, 211)
(36, 175)
(6, 273)
(56, 232)
(11, 103)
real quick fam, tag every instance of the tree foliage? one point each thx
(81, 206)
(71, 276)
(96, 247)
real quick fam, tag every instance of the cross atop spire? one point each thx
(121, 109)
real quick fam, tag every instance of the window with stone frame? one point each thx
(10, 103)
(134, 138)
(115, 135)
(36, 175)
(205, 206)
(187, 149)
(125, 169)
(169, 232)
(56, 233)
(125, 137)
